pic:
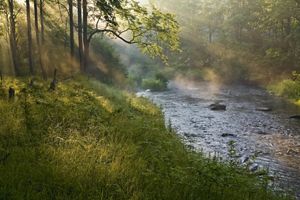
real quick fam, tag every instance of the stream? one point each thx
(257, 122)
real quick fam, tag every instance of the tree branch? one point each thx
(118, 35)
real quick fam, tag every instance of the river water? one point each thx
(270, 136)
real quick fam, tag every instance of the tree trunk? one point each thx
(29, 37)
(12, 37)
(71, 23)
(85, 37)
(42, 21)
(80, 45)
(36, 22)
(210, 34)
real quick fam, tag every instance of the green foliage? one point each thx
(86, 140)
(154, 84)
(261, 34)
(152, 30)
(287, 88)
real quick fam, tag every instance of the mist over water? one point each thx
(270, 136)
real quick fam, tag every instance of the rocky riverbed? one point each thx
(208, 117)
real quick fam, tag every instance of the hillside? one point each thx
(87, 140)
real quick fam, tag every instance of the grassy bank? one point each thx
(86, 140)
(288, 88)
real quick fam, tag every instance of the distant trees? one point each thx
(267, 29)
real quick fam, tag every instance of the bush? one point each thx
(154, 84)
(287, 88)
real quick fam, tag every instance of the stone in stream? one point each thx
(264, 109)
(262, 133)
(295, 117)
(190, 135)
(228, 135)
(217, 107)
(292, 152)
(254, 167)
(244, 159)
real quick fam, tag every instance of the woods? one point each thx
(150, 100)
(247, 40)
(127, 21)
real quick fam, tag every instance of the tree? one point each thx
(84, 34)
(71, 24)
(151, 30)
(29, 37)
(42, 22)
(13, 37)
(37, 33)
(80, 44)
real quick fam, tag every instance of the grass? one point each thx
(287, 88)
(86, 140)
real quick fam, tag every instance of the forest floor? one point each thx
(87, 140)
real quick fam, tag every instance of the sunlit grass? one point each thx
(287, 88)
(87, 140)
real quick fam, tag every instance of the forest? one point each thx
(150, 99)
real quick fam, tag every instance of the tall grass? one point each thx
(86, 140)
(287, 88)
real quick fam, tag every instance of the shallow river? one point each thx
(271, 136)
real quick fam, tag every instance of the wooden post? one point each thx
(54, 81)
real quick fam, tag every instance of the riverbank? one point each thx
(87, 140)
(287, 88)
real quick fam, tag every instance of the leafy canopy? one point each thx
(150, 29)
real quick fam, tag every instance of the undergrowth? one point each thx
(86, 140)
(289, 88)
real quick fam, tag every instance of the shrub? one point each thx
(154, 84)
(287, 88)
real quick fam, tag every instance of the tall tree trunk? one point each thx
(42, 21)
(36, 22)
(12, 37)
(29, 37)
(210, 34)
(42, 54)
(85, 37)
(80, 45)
(71, 23)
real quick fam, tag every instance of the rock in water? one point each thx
(262, 133)
(244, 159)
(228, 135)
(254, 167)
(295, 117)
(264, 109)
(217, 106)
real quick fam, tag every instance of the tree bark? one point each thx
(36, 22)
(29, 35)
(42, 21)
(71, 23)
(85, 36)
(80, 45)
(13, 36)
